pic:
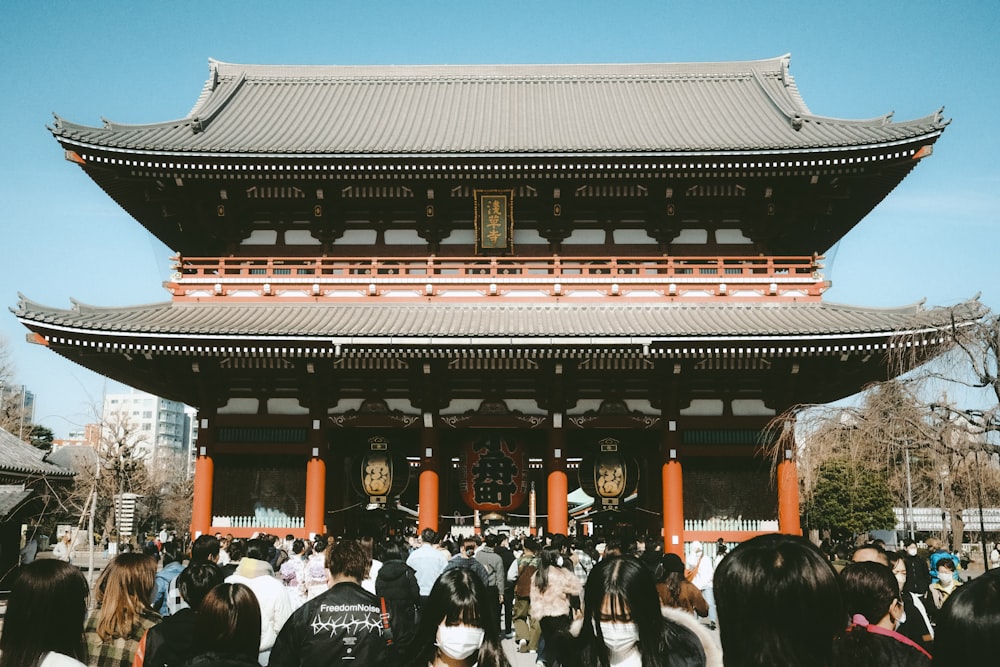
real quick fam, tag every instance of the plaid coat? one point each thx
(120, 651)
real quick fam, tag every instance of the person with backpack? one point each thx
(507, 556)
(526, 631)
(396, 583)
(173, 565)
(493, 563)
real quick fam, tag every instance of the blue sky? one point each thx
(936, 237)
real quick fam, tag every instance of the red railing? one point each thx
(222, 275)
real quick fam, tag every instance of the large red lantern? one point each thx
(380, 473)
(607, 475)
(493, 473)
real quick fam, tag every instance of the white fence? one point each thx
(250, 521)
(732, 524)
(932, 519)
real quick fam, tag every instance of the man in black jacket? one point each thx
(345, 624)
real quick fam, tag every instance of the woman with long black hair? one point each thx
(779, 603)
(874, 606)
(624, 626)
(459, 624)
(968, 628)
(230, 628)
(43, 624)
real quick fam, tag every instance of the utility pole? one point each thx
(982, 522)
(90, 528)
(909, 494)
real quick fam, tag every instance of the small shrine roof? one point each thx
(517, 323)
(17, 456)
(498, 110)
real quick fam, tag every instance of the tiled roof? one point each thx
(17, 456)
(521, 322)
(632, 109)
(11, 501)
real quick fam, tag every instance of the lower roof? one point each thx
(492, 323)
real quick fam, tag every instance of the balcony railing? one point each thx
(554, 276)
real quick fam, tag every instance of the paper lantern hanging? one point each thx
(493, 473)
(380, 474)
(608, 476)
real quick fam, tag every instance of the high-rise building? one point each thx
(157, 428)
(18, 405)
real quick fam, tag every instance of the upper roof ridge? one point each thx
(528, 71)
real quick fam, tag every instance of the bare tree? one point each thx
(13, 411)
(118, 467)
(933, 429)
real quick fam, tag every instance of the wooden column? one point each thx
(788, 496)
(315, 509)
(315, 518)
(673, 492)
(557, 484)
(204, 479)
(428, 507)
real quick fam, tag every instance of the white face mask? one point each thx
(911, 550)
(945, 577)
(459, 641)
(619, 637)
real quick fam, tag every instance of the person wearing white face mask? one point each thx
(946, 583)
(459, 625)
(624, 626)
(916, 623)
(918, 574)
(874, 606)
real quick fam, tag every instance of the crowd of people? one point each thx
(773, 600)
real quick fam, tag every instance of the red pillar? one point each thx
(204, 479)
(428, 507)
(201, 509)
(557, 484)
(315, 509)
(788, 497)
(315, 519)
(673, 493)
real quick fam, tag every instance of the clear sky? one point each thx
(936, 237)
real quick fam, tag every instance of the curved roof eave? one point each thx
(515, 323)
(663, 154)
